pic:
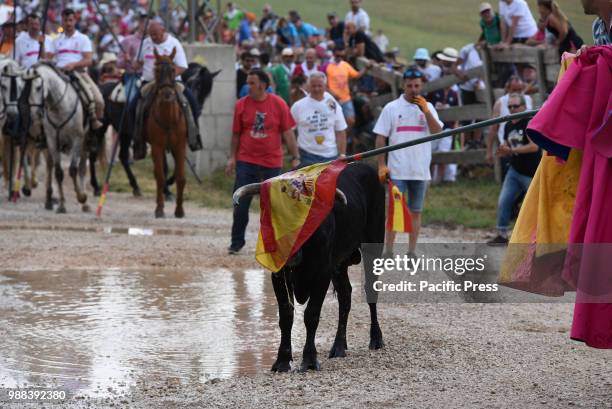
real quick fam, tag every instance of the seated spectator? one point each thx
(490, 24)
(443, 99)
(268, 19)
(524, 157)
(232, 16)
(565, 37)
(361, 45)
(421, 58)
(358, 16)
(309, 34)
(335, 31)
(287, 34)
(381, 41)
(529, 75)
(518, 24)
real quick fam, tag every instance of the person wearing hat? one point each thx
(490, 25)
(130, 45)
(408, 118)
(109, 72)
(430, 71)
(27, 46)
(335, 31)
(281, 74)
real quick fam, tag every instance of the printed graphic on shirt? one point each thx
(402, 127)
(259, 126)
(515, 138)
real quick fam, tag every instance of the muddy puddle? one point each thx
(100, 331)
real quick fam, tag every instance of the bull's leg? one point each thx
(27, 173)
(283, 289)
(343, 289)
(124, 158)
(376, 338)
(179, 171)
(49, 193)
(93, 179)
(157, 152)
(76, 161)
(59, 178)
(311, 320)
(82, 172)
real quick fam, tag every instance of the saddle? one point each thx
(119, 93)
(144, 103)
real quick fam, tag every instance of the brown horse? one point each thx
(166, 129)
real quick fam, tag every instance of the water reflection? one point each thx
(95, 330)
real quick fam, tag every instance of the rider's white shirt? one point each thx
(165, 48)
(26, 49)
(69, 50)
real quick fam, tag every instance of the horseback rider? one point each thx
(27, 45)
(164, 43)
(72, 52)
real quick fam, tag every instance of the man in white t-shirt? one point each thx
(408, 118)
(164, 44)
(358, 16)
(72, 52)
(518, 24)
(320, 123)
(27, 45)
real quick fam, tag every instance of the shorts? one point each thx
(416, 192)
(442, 145)
(348, 109)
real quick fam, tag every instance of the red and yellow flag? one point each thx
(293, 206)
(398, 216)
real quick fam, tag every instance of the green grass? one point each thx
(410, 24)
(468, 202)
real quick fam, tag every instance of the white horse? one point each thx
(57, 112)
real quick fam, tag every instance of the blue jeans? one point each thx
(307, 158)
(514, 185)
(416, 192)
(247, 173)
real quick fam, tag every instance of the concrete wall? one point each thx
(218, 110)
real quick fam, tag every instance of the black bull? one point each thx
(325, 258)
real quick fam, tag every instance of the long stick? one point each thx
(12, 136)
(109, 170)
(440, 135)
(110, 28)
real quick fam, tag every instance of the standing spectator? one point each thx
(233, 16)
(309, 34)
(249, 61)
(431, 71)
(490, 24)
(320, 123)
(443, 99)
(261, 122)
(408, 118)
(130, 45)
(468, 59)
(514, 86)
(602, 26)
(566, 38)
(524, 156)
(335, 31)
(281, 74)
(381, 41)
(8, 39)
(518, 24)
(361, 45)
(287, 34)
(28, 45)
(268, 18)
(339, 73)
(358, 16)
(309, 66)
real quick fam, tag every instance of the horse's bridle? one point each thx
(13, 97)
(167, 83)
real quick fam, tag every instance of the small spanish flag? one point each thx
(398, 216)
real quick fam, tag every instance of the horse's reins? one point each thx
(161, 85)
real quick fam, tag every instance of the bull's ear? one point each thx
(173, 54)
(155, 53)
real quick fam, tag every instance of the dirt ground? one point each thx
(445, 355)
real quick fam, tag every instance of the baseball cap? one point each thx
(412, 73)
(485, 7)
(287, 52)
(449, 54)
(421, 54)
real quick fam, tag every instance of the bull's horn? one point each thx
(341, 196)
(247, 190)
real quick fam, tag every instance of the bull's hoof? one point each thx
(179, 213)
(310, 364)
(281, 366)
(136, 192)
(159, 213)
(26, 192)
(338, 350)
(61, 209)
(169, 196)
(86, 208)
(49, 205)
(82, 197)
(376, 339)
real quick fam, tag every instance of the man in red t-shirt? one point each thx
(260, 120)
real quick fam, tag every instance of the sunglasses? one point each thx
(514, 106)
(412, 74)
